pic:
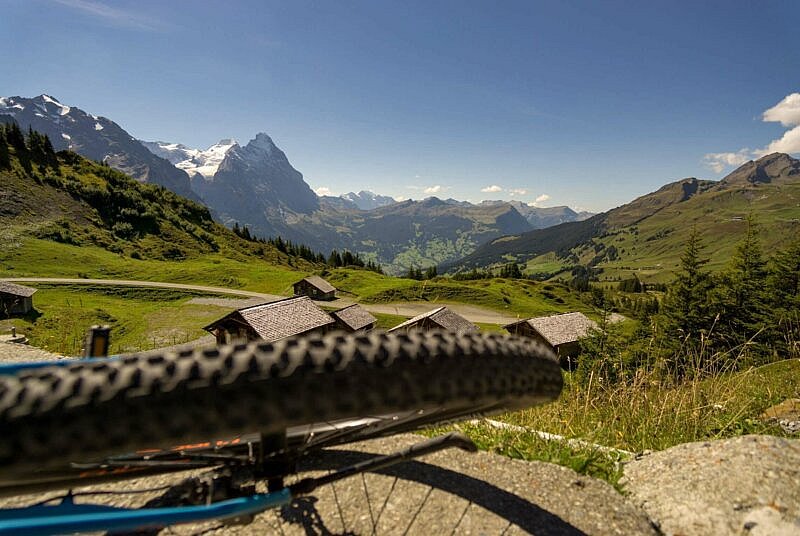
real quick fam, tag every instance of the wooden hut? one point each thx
(315, 288)
(354, 318)
(440, 318)
(560, 332)
(15, 299)
(272, 321)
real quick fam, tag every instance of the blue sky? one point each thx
(588, 104)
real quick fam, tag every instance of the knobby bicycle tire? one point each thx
(56, 415)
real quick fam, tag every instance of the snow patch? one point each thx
(62, 110)
(98, 126)
(66, 136)
(191, 160)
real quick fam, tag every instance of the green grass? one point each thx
(650, 414)
(514, 296)
(646, 415)
(43, 258)
(386, 321)
(140, 318)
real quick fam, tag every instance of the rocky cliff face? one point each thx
(773, 167)
(94, 137)
(256, 185)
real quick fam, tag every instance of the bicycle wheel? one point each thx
(53, 416)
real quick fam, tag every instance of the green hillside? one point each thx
(646, 236)
(63, 215)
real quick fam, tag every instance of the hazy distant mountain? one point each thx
(94, 137)
(366, 200)
(647, 235)
(542, 217)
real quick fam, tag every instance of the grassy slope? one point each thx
(652, 247)
(33, 257)
(140, 319)
(649, 233)
(525, 298)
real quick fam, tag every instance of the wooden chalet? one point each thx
(15, 299)
(272, 321)
(315, 288)
(560, 332)
(354, 318)
(440, 318)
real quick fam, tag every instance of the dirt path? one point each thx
(131, 283)
(470, 312)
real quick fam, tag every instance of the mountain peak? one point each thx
(768, 168)
(367, 200)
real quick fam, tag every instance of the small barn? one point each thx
(15, 299)
(315, 288)
(272, 321)
(440, 318)
(354, 318)
(560, 332)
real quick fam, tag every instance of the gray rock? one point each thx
(744, 485)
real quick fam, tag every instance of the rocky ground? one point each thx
(743, 485)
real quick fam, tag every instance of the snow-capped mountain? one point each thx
(254, 185)
(203, 162)
(94, 137)
(366, 200)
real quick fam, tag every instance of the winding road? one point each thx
(472, 313)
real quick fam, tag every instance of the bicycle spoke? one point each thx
(369, 503)
(416, 514)
(339, 508)
(461, 518)
(386, 500)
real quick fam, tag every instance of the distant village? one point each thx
(301, 315)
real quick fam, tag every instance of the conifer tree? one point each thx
(685, 310)
(740, 297)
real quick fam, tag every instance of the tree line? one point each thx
(746, 314)
(335, 259)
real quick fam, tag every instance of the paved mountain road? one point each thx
(470, 312)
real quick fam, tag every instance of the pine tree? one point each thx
(5, 157)
(740, 298)
(685, 310)
(783, 295)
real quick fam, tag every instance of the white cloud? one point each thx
(719, 161)
(491, 189)
(400, 198)
(788, 143)
(114, 16)
(787, 113)
(517, 191)
(323, 190)
(539, 200)
(433, 189)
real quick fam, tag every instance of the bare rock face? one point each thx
(744, 485)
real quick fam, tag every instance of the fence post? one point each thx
(97, 341)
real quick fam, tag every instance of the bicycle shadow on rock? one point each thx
(513, 508)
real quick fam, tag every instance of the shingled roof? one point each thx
(444, 318)
(320, 283)
(560, 329)
(16, 290)
(280, 319)
(354, 316)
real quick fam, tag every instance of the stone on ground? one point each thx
(744, 485)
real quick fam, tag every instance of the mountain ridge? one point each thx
(647, 233)
(94, 137)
